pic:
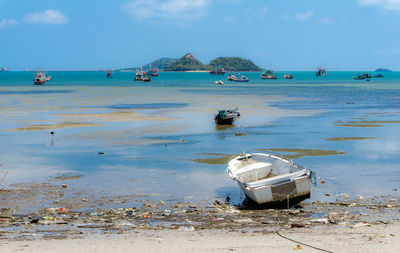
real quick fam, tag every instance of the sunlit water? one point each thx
(155, 154)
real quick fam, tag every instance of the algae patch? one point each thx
(55, 126)
(64, 177)
(366, 123)
(220, 159)
(297, 153)
(350, 138)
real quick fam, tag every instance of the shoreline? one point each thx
(108, 222)
(382, 238)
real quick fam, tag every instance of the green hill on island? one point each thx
(383, 70)
(161, 64)
(235, 64)
(187, 63)
(190, 63)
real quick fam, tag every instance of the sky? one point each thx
(279, 35)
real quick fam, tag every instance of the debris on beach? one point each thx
(77, 216)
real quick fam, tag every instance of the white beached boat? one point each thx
(219, 82)
(270, 179)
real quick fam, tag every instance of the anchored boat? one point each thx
(241, 79)
(269, 74)
(153, 71)
(320, 72)
(141, 75)
(41, 78)
(218, 71)
(226, 117)
(109, 74)
(269, 179)
(362, 77)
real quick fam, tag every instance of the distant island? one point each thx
(161, 64)
(235, 64)
(383, 70)
(190, 63)
(187, 63)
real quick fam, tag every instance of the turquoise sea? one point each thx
(160, 142)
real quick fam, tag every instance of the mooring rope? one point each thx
(302, 243)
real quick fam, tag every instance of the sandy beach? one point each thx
(380, 238)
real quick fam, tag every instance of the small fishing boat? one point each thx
(320, 72)
(226, 117)
(109, 74)
(241, 79)
(378, 76)
(362, 77)
(41, 78)
(289, 76)
(269, 74)
(218, 71)
(270, 179)
(139, 74)
(232, 77)
(146, 78)
(153, 71)
(219, 82)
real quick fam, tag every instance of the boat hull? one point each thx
(225, 121)
(268, 78)
(283, 194)
(270, 180)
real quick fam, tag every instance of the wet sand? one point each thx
(50, 216)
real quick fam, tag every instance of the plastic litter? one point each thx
(321, 220)
(360, 224)
(186, 229)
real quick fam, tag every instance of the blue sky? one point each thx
(280, 35)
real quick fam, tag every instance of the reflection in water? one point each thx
(223, 127)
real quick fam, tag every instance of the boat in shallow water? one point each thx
(41, 78)
(270, 180)
(320, 72)
(269, 74)
(109, 74)
(218, 71)
(226, 117)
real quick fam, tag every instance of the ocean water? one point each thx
(159, 139)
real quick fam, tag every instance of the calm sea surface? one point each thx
(159, 139)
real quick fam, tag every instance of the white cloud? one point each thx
(378, 51)
(167, 9)
(303, 16)
(4, 23)
(325, 21)
(393, 5)
(48, 16)
(263, 11)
